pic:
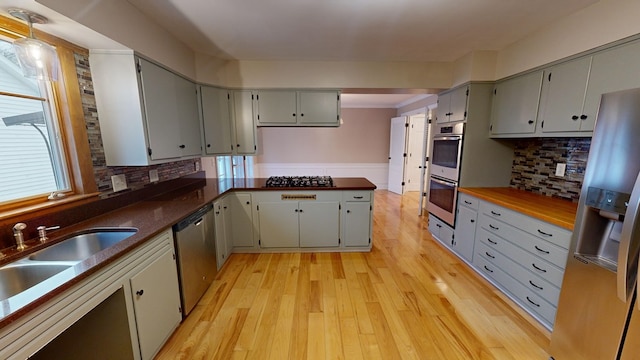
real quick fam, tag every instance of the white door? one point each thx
(415, 148)
(396, 154)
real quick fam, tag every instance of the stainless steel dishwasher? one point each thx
(195, 246)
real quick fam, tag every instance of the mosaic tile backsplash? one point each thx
(534, 166)
(137, 176)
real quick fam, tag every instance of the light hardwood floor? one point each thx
(409, 298)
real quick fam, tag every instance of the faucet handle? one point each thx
(17, 233)
(42, 232)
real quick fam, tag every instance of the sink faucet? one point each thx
(17, 233)
(42, 232)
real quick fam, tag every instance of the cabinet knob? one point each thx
(248, 203)
(530, 122)
(302, 114)
(583, 117)
(182, 146)
(574, 117)
(473, 221)
(294, 114)
(348, 211)
(208, 145)
(237, 145)
(140, 292)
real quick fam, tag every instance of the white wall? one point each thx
(596, 25)
(124, 23)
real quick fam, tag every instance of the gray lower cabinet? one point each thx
(299, 224)
(524, 257)
(134, 301)
(156, 303)
(357, 218)
(222, 231)
(241, 222)
(441, 231)
(465, 231)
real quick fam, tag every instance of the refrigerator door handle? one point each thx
(629, 247)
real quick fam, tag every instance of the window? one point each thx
(32, 159)
(234, 167)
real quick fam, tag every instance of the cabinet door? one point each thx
(188, 119)
(465, 232)
(318, 108)
(156, 303)
(221, 233)
(241, 220)
(216, 118)
(245, 127)
(515, 105)
(565, 89)
(442, 111)
(161, 111)
(276, 108)
(611, 70)
(458, 104)
(357, 223)
(319, 223)
(278, 224)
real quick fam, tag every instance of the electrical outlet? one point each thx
(153, 176)
(197, 166)
(560, 169)
(119, 182)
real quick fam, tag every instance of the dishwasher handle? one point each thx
(194, 218)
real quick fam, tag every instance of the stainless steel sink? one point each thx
(83, 245)
(16, 278)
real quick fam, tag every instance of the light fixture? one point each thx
(37, 59)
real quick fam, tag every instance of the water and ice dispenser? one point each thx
(602, 226)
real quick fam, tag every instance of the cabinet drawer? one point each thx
(538, 228)
(533, 283)
(525, 298)
(532, 263)
(357, 196)
(468, 201)
(543, 249)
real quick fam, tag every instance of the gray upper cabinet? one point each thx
(228, 121)
(515, 105)
(216, 120)
(614, 69)
(298, 108)
(244, 122)
(563, 97)
(452, 105)
(148, 115)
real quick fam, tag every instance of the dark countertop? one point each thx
(552, 210)
(150, 217)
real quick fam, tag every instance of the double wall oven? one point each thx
(445, 171)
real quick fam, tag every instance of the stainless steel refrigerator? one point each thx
(597, 316)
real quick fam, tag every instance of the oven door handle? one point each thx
(443, 182)
(458, 138)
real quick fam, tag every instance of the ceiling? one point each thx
(334, 30)
(352, 30)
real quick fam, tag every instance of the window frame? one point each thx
(67, 105)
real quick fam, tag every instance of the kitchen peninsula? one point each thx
(35, 317)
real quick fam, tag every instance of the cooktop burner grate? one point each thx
(300, 181)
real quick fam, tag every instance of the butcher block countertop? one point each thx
(552, 210)
(149, 216)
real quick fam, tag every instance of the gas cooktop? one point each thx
(300, 181)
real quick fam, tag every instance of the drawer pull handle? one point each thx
(489, 255)
(358, 197)
(486, 268)
(495, 213)
(537, 268)
(529, 300)
(468, 202)
(140, 292)
(491, 241)
(541, 250)
(494, 227)
(535, 286)
(544, 233)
